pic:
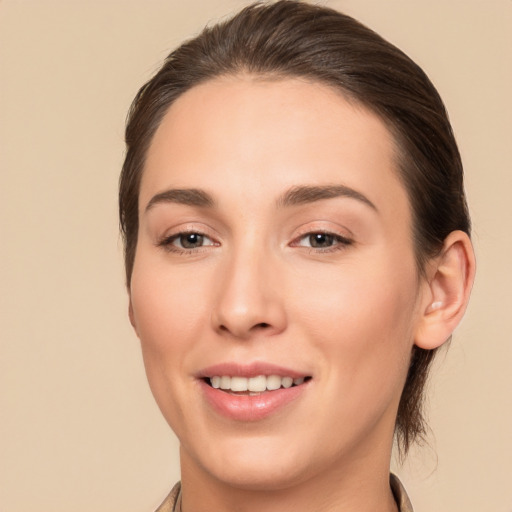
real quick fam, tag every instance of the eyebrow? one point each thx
(309, 194)
(295, 196)
(186, 196)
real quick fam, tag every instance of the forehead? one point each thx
(267, 135)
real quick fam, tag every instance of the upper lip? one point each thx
(249, 370)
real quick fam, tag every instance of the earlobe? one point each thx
(449, 287)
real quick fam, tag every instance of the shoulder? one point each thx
(169, 503)
(402, 500)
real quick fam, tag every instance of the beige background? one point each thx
(78, 428)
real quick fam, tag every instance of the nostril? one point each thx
(255, 327)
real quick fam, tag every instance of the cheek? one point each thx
(169, 310)
(382, 292)
(363, 320)
(168, 317)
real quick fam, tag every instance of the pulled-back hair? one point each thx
(294, 39)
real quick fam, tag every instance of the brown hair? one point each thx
(295, 39)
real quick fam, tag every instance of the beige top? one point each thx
(173, 502)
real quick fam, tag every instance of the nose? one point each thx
(249, 300)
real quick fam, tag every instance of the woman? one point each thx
(297, 248)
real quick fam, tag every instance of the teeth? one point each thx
(225, 383)
(273, 382)
(238, 384)
(287, 382)
(257, 384)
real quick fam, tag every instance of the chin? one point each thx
(268, 476)
(252, 465)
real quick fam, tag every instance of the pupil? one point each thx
(321, 240)
(191, 240)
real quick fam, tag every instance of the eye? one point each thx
(190, 240)
(322, 240)
(186, 241)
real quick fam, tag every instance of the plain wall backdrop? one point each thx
(78, 427)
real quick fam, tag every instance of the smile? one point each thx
(257, 384)
(252, 392)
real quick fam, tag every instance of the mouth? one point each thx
(253, 386)
(252, 392)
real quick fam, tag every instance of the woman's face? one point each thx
(275, 247)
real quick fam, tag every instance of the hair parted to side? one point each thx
(288, 38)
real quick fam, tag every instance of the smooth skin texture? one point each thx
(326, 286)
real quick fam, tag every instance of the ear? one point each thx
(449, 282)
(131, 314)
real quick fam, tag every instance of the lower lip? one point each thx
(250, 408)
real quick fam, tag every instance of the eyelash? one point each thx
(339, 242)
(168, 243)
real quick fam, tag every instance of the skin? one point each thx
(346, 313)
